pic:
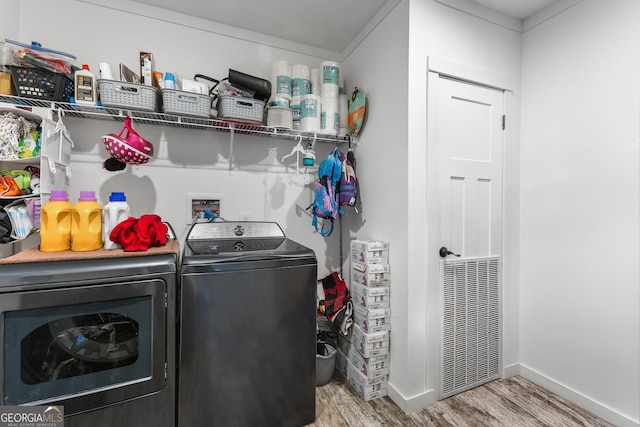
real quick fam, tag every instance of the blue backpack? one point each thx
(325, 203)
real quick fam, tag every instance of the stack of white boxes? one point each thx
(363, 356)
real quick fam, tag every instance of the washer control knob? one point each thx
(238, 230)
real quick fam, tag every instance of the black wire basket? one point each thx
(38, 83)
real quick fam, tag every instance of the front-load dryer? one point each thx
(93, 336)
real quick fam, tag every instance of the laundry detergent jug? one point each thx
(86, 223)
(116, 211)
(55, 223)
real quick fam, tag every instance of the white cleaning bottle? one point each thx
(84, 82)
(114, 212)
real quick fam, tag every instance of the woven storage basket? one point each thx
(186, 103)
(39, 83)
(233, 107)
(129, 95)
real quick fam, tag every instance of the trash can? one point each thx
(325, 363)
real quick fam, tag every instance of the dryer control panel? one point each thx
(234, 230)
(216, 237)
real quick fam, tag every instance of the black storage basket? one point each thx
(38, 83)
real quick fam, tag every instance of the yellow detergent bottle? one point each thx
(86, 223)
(55, 223)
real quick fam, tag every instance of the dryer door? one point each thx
(83, 347)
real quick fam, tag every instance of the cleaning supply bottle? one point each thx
(55, 223)
(85, 87)
(114, 212)
(169, 81)
(86, 223)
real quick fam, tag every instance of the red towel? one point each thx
(140, 234)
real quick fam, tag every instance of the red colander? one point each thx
(130, 148)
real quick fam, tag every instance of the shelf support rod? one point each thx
(231, 137)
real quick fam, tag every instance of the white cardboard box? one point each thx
(370, 367)
(370, 298)
(370, 252)
(366, 388)
(370, 325)
(377, 348)
(371, 314)
(371, 275)
(373, 326)
(360, 337)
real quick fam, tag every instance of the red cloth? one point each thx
(336, 294)
(140, 234)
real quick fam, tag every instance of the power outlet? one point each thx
(244, 216)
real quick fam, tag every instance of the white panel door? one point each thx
(470, 141)
(468, 144)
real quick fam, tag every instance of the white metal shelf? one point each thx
(161, 119)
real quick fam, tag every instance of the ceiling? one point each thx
(325, 24)
(520, 9)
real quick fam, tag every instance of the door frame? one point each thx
(437, 67)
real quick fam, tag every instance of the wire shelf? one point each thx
(163, 119)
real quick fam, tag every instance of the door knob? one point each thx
(444, 252)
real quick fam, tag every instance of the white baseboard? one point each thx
(511, 370)
(411, 404)
(571, 395)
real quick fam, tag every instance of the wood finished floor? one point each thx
(511, 402)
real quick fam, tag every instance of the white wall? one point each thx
(579, 299)
(380, 65)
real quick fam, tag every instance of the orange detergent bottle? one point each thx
(55, 223)
(86, 223)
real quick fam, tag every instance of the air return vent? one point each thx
(471, 324)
